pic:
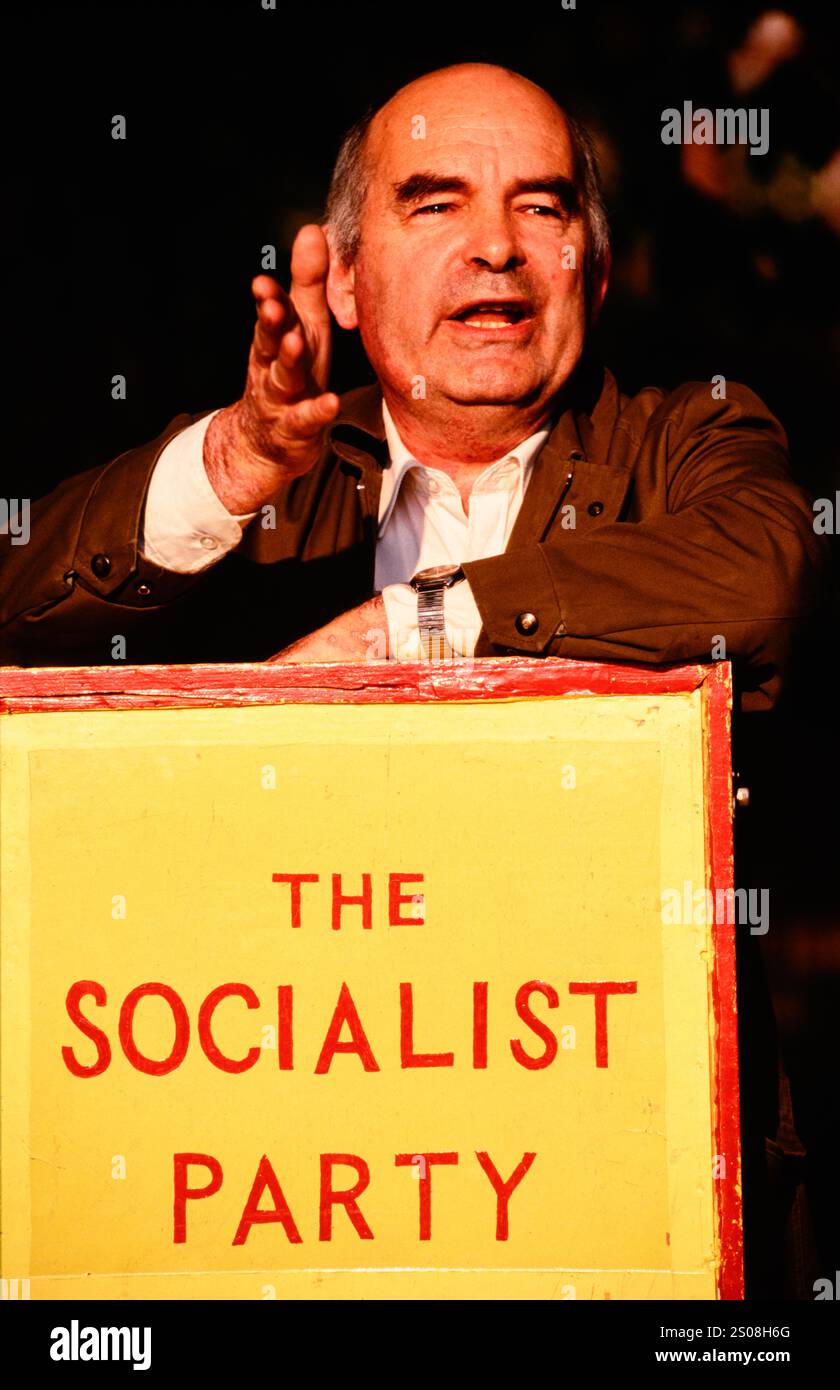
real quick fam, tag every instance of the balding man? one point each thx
(494, 485)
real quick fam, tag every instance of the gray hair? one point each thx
(351, 177)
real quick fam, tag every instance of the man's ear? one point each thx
(341, 289)
(600, 289)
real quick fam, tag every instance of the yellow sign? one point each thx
(359, 1001)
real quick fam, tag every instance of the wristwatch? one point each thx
(430, 585)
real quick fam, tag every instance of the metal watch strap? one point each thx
(430, 608)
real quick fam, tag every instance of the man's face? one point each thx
(479, 212)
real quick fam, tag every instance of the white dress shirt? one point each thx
(422, 522)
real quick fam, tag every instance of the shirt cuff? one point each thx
(461, 617)
(186, 527)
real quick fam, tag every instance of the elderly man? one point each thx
(494, 485)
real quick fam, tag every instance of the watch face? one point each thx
(438, 572)
(436, 578)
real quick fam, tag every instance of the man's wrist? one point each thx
(404, 639)
(242, 478)
(185, 527)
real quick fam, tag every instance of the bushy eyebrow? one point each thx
(425, 184)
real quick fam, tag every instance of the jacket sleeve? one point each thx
(79, 582)
(732, 555)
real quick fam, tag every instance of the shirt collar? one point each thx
(402, 460)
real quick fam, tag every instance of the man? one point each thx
(466, 239)
(536, 508)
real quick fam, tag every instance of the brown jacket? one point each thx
(687, 529)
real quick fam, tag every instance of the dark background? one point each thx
(136, 257)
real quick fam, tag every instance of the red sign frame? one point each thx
(56, 689)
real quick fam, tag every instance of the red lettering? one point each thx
(339, 900)
(182, 1030)
(295, 880)
(75, 994)
(183, 1193)
(601, 989)
(346, 1197)
(205, 1035)
(253, 1215)
(408, 1057)
(537, 1026)
(479, 1024)
(345, 1012)
(396, 899)
(285, 1035)
(504, 1190)
(422, 1163)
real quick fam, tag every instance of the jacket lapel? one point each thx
(357, 436)
(572, 468)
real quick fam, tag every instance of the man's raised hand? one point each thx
(275, 432)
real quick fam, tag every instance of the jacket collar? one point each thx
(588, 410)
(358, 432)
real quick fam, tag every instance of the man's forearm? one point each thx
(745, 569)
(80, 580)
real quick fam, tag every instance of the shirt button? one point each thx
(143, 590)
(595, 508)
(209, 542)
(101, 566)
(527, 623)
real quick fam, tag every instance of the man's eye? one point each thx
(541, 208)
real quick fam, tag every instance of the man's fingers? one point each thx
(289, 370)
(310, 264)
(307, 418)
(305, 306)
(276, 315)
(291, 348)
(284, 377)
(265, 287)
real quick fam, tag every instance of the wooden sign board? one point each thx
(358, 982)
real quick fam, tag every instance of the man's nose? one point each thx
(491, 241)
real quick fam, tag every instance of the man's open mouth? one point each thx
(493, 313)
